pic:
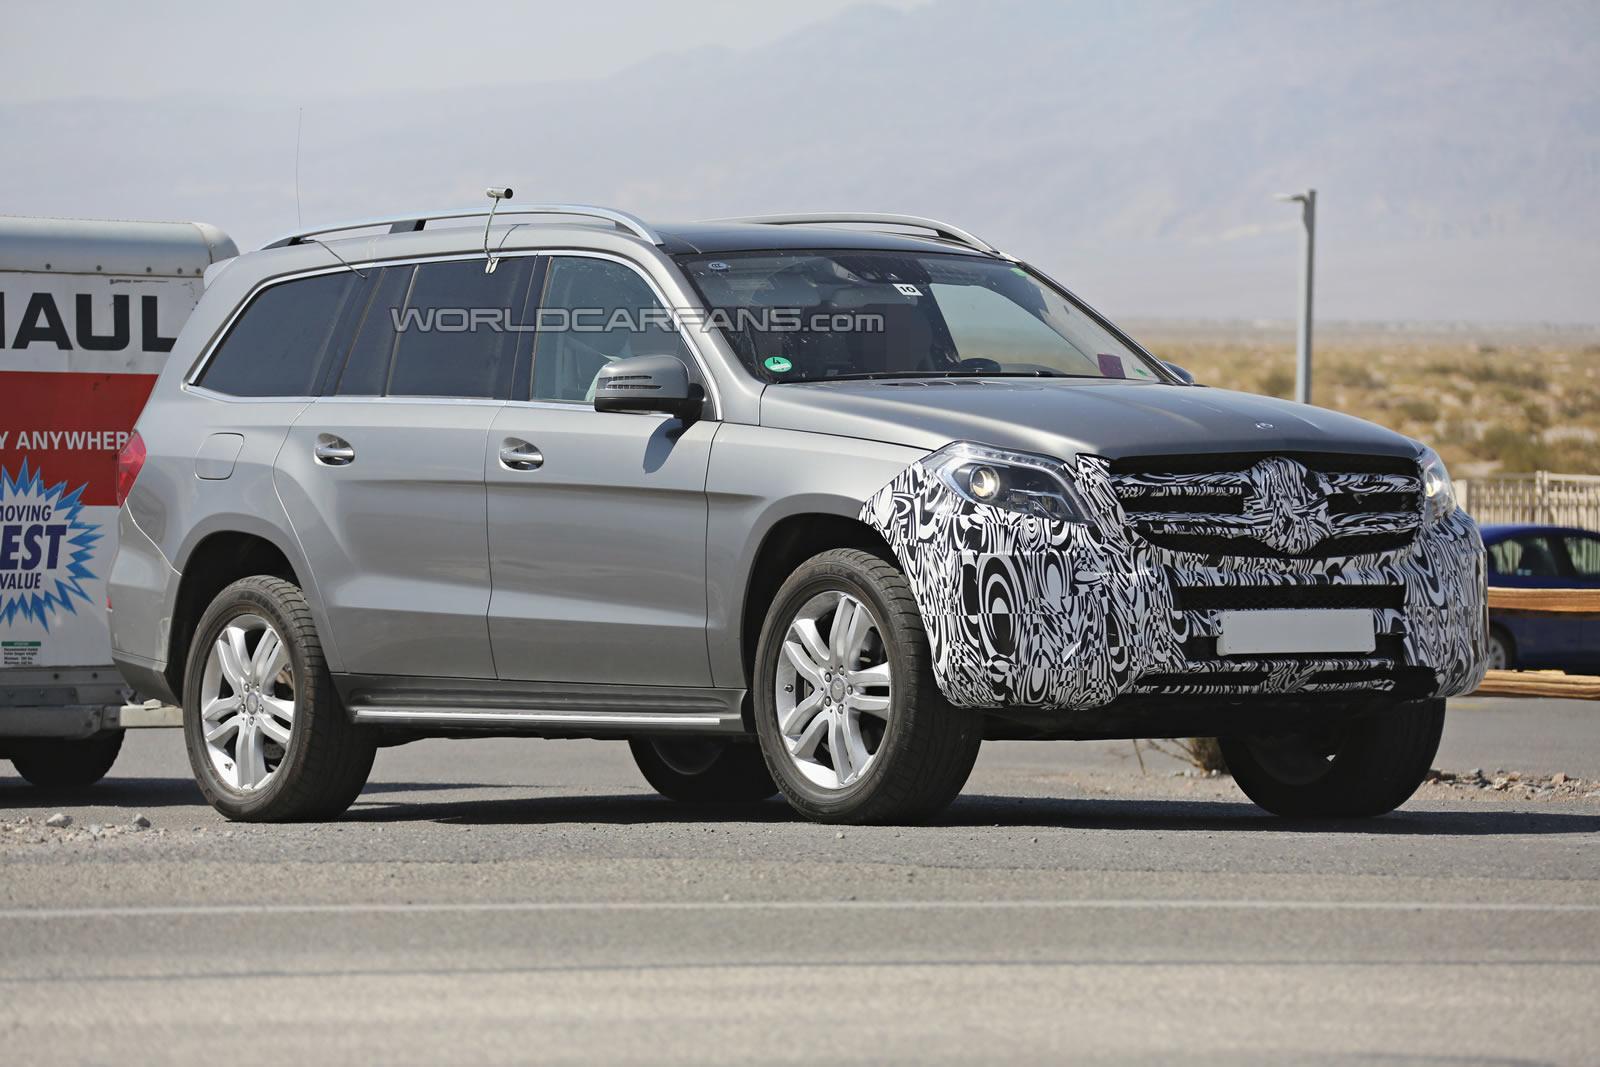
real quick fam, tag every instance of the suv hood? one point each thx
(1063, 416)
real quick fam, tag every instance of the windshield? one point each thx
(808, 316)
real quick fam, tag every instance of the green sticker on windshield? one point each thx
(777, 365)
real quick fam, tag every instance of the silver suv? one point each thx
(797, 504)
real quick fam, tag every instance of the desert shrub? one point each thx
(1203, 753)
(1276, 382)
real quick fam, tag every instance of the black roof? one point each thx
(714, 237)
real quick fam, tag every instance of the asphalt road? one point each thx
(504, 901)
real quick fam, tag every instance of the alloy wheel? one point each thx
(247, 703)
(834, 690)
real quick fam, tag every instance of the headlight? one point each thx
(1438, 494)
(1016, 481)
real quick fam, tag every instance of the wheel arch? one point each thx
(217, 560)
(787, 544)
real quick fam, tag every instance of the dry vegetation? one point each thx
(1490, 402)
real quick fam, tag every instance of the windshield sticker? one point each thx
(1111, 366)
(777, 365)
(716, 264)
(907, 289)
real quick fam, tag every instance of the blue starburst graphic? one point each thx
(61, 587)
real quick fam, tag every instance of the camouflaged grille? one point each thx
(1284, 506)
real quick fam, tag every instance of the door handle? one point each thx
(518, 455)
(333, 451)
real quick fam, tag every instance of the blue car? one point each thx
(1528, 556)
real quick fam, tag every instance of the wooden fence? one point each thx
(1558, 499)
(1543, 683)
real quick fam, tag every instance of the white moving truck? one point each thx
(88, 312)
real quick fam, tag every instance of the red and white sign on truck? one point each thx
(88, 312)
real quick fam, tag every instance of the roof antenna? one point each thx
(299, 122)
(491, 261)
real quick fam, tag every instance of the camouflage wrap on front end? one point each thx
(1025, 612)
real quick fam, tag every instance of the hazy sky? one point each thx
(296, 48)
(1130, 147)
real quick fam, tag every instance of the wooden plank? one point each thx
(1540, 684)
(1553, 600)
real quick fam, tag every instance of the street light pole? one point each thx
(1308, 218)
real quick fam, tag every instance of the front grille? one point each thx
(1266, 597)
(1347, 545)
(1305, 505)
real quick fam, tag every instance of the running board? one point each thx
(536, 721)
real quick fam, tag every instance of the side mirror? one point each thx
(1178, 372)
(648, 383)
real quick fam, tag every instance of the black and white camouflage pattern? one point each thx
(1021, 611)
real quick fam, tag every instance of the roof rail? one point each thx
(411, 223)
(943, 230)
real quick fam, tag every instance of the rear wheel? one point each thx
(853, 727)
(1357, 769)
(54, 764)
(267, 736)
(703, 770)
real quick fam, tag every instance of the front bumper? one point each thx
(1022, 612)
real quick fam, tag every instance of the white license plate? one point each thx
(1293, 630)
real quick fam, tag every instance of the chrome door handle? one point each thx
(519, 455)
(333, 451)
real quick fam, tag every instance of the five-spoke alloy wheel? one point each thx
(834, 689)
(267, 736)
(849, 718)
(247, 702)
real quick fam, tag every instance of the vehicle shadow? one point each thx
(137, 793)
(980, 810)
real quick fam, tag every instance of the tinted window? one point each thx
(595, 311)
(1525, 557)
(1584, 551)
(280, 344)
(366, 372)
(457, 335)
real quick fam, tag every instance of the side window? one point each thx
(1584, 551)
(1536, 558)
(280, 344)
(595, 311)
(457, 334)
(366, 371)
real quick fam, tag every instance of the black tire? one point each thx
(703, 770)
(328, 757)
(1359, 769)
(55, 764)
(1506, 657)
(928, 747)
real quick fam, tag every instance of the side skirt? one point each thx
(461, 707)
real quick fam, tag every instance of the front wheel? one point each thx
(54, 764)
(1358, 769)
(268, 739)
(852, 725)
(703, 770)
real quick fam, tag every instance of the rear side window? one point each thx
(366, 371)
(279, 345)
(457, 335)
(1584, 551)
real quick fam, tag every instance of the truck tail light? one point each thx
(130, 461)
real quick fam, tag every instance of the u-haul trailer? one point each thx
(89, 311)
